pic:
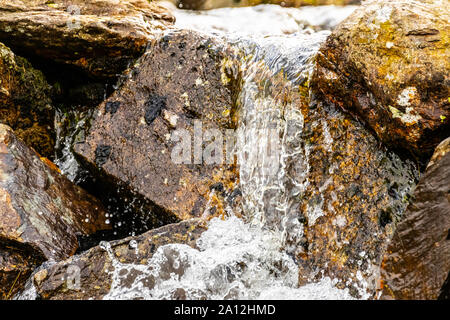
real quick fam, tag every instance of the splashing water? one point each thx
(249, 258)
(234, 261)
(253, 21)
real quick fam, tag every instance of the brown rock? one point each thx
(181, 79)
(98, 36)
(41, 213)
(24, 102)
(417, 262)
(90, 274)
(388, 64)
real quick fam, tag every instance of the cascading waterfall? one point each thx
(252, 257)
(248, 258)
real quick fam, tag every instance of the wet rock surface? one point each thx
(100, 37)
(90, 274)
(388, 65)
(417, 262)
(41, 212)
(182, 80)
(25, 102)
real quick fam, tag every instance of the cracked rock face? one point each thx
(388, 64)
(417, 261)
(100, 37)
(41, 213)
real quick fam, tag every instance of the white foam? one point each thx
(234, 261)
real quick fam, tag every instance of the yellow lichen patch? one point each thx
(226, 66)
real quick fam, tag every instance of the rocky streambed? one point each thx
(150, 152)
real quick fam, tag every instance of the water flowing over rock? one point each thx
(178, 87)
(331, 190)
(41, 213)
(253, 20)
(389, 64)
(92, 274)
(212, 4)
(297, 199)
(24, 102)
(230, 260)
(99, 36)
(417, 262)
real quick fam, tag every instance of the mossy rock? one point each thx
(25, 102)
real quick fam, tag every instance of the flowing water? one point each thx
(250, 257)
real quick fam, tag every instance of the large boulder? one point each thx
(24, 102)
(179, 85)
(417, 262)
(41, 213)
(389, 64)
(92, 274)
(98, 36)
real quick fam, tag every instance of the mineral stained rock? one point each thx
(178, 90)
(24, 102)
(90, 275)
(213, 4)
(41, 213)
(389, 64)
(417, 262)
(99, 36)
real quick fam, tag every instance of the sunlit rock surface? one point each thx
(25, 103)
(41, 213)
(389, 65)
(100, 37)
(417, 262)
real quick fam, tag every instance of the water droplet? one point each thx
(133, 244)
